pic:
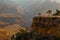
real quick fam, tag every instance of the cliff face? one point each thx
(46, 25)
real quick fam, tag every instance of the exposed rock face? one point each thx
(12, 29)
(3, 35)
(7, 32)
(46, 25)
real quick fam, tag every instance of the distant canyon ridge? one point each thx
(11, 13)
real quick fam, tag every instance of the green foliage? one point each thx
(49, 11)
(57, 13)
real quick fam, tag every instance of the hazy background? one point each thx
(22, 11)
